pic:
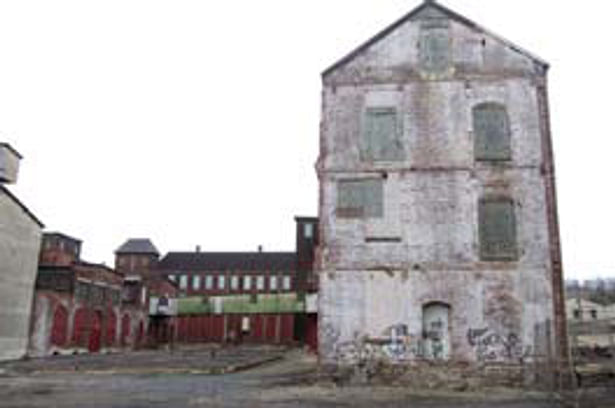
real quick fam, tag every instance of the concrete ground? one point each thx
(211, 377)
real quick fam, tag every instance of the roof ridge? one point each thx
(426, 3)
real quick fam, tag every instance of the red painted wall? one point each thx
(210, 328)
(80, 326)
(111, 328)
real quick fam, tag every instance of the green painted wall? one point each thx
(270, 303)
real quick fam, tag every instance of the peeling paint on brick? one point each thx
(428, 237)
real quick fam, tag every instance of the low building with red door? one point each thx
(77, 304)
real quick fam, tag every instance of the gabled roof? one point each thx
(137, 246)
(449, 13)
(21, 205)
(224, 261)
(11, 148)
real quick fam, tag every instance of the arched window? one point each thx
(491, 132)
(436, 330)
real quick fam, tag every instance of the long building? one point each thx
(260, 296)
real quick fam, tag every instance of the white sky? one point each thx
(196, 122)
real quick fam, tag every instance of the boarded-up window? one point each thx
(381, 136)
(491, 132)
(497, 229)
(360, 198)
(435, 46)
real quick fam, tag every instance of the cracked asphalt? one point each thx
(262, 377)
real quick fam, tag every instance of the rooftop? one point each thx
(138, 246)
(221, 261)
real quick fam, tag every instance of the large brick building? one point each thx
(439, 231)
(246, 296)
(84, 307)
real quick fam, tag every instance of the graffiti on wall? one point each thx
(394, 345)
(490, 345)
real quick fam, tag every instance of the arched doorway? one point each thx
(436, 331)
(59, 326)
(95, 332)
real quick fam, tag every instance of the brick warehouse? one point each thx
(84, 307)
(266, 297)
(439, 229)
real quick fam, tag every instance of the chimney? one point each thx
(260, 248)
(198, 249)
(9, 163)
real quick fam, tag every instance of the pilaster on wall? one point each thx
(561, 331)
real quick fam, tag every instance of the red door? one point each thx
(256, 328)
(270, 330)
(286, 331)
(95, 332)
(311, 331)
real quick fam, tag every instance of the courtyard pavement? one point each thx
(245, 376)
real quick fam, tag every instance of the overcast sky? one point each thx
(196, 122)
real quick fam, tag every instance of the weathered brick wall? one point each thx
(378, 273)
(20, 238)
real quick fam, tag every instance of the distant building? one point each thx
(138, 260)
(585, 310)
(137, 256)
(590, 324)
(20, 237)
(235, 296)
